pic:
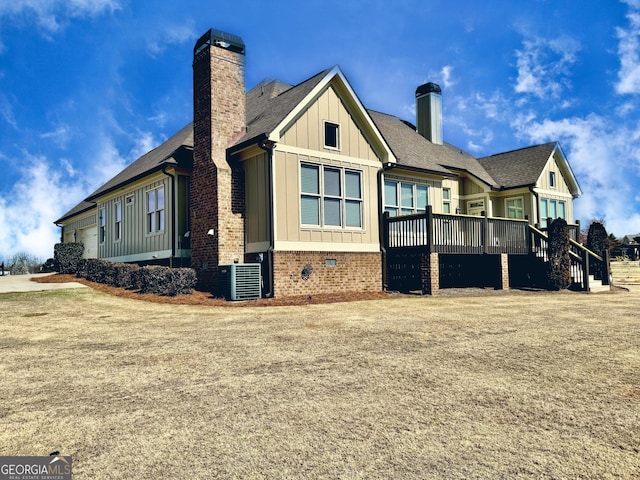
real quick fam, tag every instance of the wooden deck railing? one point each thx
(456, 234)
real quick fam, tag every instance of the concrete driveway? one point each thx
(23, 283)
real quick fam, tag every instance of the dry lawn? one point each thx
(525, 384)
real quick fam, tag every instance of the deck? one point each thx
(409, 241)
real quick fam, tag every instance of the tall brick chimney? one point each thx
(216, 197)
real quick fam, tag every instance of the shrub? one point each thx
(597, 242)
(67, 257)
(166, 281)
(125, 276)
(96, 270)
(559, 273)
(49, 266)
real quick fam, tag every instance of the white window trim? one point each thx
(102, 225)
(157, 230)
(398, 205)
(337, 148)
(321, 196)
(117, 224)
(506, 207)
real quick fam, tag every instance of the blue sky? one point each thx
(87, 86)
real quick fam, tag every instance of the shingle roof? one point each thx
(269, 102)
(172, 152)
(267, 107)
(81, 207)
(520, 167)
(409, 147)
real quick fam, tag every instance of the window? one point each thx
(330, 196)
(103, 223)
(155, 210)
(332, 135)
(446, 200)
(405, 198)
(118, 221)
(552, 179)
(515, 207)
(553, 209)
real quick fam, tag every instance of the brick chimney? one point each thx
(217, 200)
(429, 112)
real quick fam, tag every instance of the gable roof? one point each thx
(175, 151)
(523, 167)
(268, 103)
(518, 168)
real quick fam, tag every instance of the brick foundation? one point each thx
(353, 272)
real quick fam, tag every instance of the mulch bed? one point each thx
(207, 299)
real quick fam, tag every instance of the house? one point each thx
(300, 179)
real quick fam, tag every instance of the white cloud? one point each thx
(606, 160)
(27, 213)
(445, 74)
(629, 52)
(52, 14)
(172, 34)
(544, 66)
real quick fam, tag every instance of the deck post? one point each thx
(606, 268)
(429, 227)
(485, 233)
(585, 269)
(430, 273)
(504, 271)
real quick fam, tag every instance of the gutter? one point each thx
(268, 146)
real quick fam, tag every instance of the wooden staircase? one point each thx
(581, 259)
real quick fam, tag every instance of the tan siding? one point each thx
(308, 130)
(543, 181)
(257, 219)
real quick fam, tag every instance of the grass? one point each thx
(525, 384)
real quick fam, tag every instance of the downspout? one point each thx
(381, 223)
(268, 146)
(173, 214)
(536, 220)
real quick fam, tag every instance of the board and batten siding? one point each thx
(258, 209)
(136, 244)
(307, 132)
(303, 142)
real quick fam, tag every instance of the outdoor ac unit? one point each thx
(240, 281)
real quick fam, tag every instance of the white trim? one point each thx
(284, 245)
(335, 72)
(326, 155)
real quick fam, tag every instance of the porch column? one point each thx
(430, 273)
(504, 271)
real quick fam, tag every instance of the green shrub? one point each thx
(559, 273)
(166, 281)
(125, 276)
(96, 270)
(597, 242)
(67, 257)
